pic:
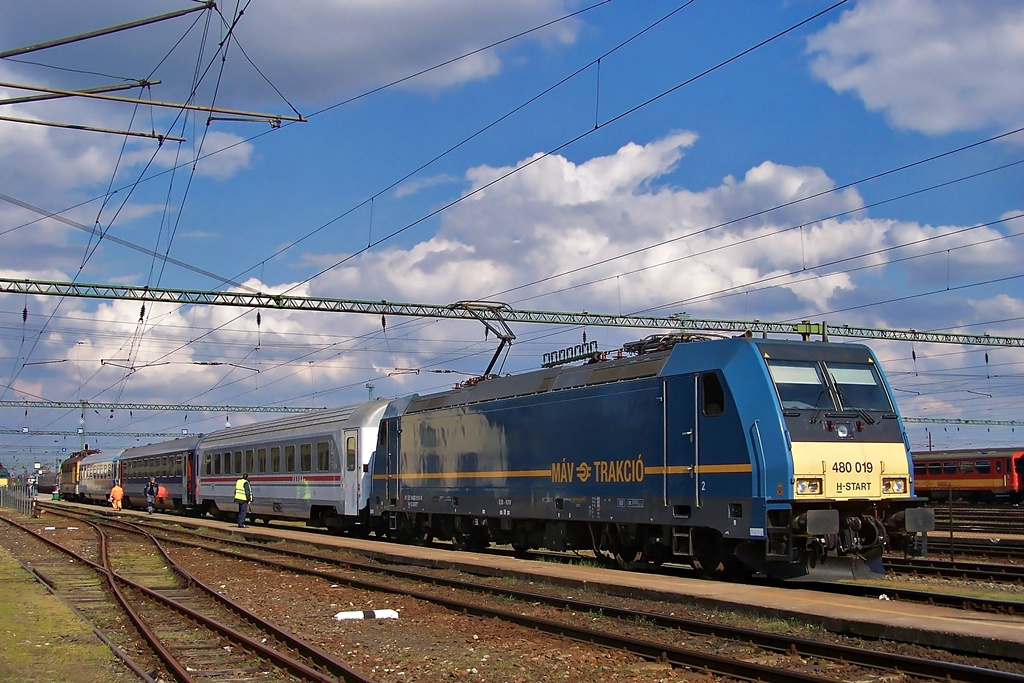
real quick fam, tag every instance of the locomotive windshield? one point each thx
(828, 386)
(859, 386)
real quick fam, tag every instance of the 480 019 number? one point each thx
(845, 467)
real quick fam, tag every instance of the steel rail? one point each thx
(297, 667)
(308, 650)
(779, 643)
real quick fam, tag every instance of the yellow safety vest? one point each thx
(240, 490)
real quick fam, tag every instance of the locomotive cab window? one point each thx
(800, 385)
(859, 386)
(712, 394)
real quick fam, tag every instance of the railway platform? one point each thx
(943, 627)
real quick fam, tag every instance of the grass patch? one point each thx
(41, 640)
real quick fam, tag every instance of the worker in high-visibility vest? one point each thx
(116, 494)
(243, 496)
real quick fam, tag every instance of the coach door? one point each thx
(682, 440)
(388, 439)
(349, 477)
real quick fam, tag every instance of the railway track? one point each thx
(958, 569)
(195, 633)
(804, 655)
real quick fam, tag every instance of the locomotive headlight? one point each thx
(894, 485)
(808, 487)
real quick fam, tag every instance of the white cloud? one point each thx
(314, 51)
(933, 66)
(415, 185)
(555, 216)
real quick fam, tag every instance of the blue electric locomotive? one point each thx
(735, 455)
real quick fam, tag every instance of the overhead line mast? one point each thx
(488, 311)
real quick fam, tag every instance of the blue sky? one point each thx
(620, 132)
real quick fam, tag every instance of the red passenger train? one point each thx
(970, 474)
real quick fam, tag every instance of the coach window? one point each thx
(350, 453)
(289, 458)
(966, 467)
(179, 462)
(712, 394)
(275, 458)
(238, 462)
(920, 468)
(165, 466)
(207, 463)
(249, 457)
(216, 463)
(261, 459)
(935, 468)
(306, 456)
(323, 456)
(949, 467)
(983, 466)
(227, 462)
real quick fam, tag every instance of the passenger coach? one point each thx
(171, 464)
(97, 473)
(984, 475)
(313, 466)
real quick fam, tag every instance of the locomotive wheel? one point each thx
(708, 553)
(520, 542)
(626, 558)
(736, 570)
(476, 540)
(405, 533)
